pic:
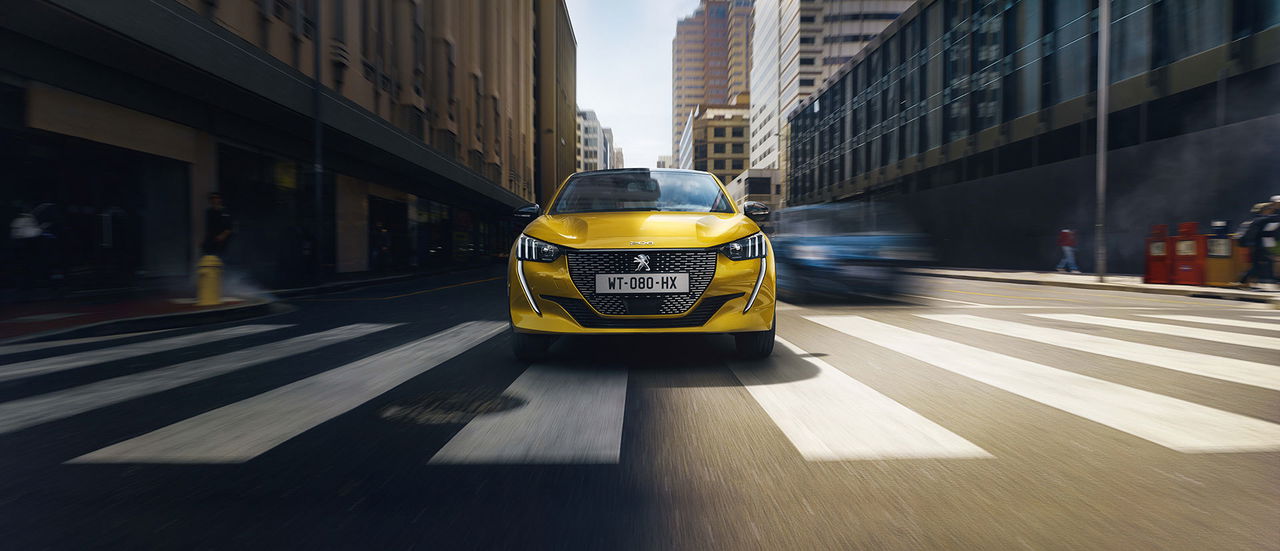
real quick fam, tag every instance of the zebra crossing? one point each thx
(577, 416)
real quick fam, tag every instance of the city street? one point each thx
(962, 415)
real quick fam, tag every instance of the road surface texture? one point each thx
(964, 415)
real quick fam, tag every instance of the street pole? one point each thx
(1104, 88)
(318, 139)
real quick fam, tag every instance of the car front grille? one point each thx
(700, 264)
(586, 317)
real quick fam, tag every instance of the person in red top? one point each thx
(1067, 240)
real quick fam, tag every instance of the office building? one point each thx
(122, 121)
(715, 139)
(979, 116)
(555, 97)
(796, 45)
(710, 56)
(595, 143)
(665, 161)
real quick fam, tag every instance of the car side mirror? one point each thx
(755, 210)
(528, 212)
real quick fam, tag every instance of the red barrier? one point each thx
(1159, 261)
(1189, 254)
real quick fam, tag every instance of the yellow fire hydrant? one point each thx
(209, 281)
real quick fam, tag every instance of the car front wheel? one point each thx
(757, 344)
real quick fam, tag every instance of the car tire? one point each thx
(530, 347)
(757, 344)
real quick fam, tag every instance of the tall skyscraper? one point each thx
(795, 46)
(709, 59)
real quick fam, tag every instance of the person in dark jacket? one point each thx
(1067, 240)
(217, 227)
(1259, 237)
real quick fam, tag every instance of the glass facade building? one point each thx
(958, 90)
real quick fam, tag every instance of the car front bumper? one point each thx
(562, 309)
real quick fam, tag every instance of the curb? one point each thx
(1197, 292)
(339, 286)
(161, 321)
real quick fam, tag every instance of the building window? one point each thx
(737, 148)
(806, 19)
(719, 164)
(806, 40)
(806, 61)
(717, 148)
(739, 131)
(806, 82)
(736, 164)
(718, 132)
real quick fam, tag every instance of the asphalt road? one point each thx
(965, 415)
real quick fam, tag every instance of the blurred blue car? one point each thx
(844, 249)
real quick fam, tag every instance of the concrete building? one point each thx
(979, 117)
(122, 120)
(617, 160)
(756, 184)
(595, 143)
(710, 56)
(555, 97)
(665, 161)
(715, 139)
(795, 46)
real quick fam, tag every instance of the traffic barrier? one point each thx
(209, 281)
(1220, 262)
(1189, 255)
(1159, 264)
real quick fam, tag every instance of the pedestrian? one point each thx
(1067, 240)
(217, 227)
(1259, 236)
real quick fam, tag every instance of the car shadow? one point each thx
(681, 360)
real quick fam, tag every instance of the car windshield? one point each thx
(642, 190)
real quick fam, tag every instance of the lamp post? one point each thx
(1104, 87)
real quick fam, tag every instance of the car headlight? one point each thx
(534, 250)
(746, 248)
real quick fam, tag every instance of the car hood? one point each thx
(617, 230)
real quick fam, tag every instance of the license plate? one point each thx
(642, 283)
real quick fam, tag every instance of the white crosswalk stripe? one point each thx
(81, 359)
(1170, 422)
(1226, 337)
(572, 416)
(20, 414)
(834, 417)
(246, 429)
(1227, 369)
(1242, 324)
(45, 345)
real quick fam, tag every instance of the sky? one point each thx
(624, 70)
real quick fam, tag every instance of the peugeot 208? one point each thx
(642, 251)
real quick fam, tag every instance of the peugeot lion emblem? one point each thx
(642, 262)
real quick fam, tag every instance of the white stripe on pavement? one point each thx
(246, 429)
(1169, 422)
(1270, 317)
(20, 414)
(572, 416)
(1254, 341)
(42, 345)
(834, 417)
(90, 357)
(1228, 369)
(1216, 321)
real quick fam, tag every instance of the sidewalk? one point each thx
(27, 321)
(1128, 283)
(105, 316)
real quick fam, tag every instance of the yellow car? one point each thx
(641, 251)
